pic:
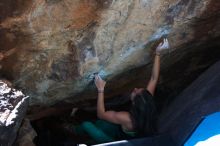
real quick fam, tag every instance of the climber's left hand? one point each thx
(162, 46)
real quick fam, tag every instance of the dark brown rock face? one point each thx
(60, 43)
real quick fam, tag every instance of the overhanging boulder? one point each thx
(60, 43)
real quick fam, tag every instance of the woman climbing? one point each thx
(139, 121)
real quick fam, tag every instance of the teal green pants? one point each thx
(101, 131)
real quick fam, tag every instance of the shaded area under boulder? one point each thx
(201, 98)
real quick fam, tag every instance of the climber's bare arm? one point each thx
(110, 116)
(151, 86)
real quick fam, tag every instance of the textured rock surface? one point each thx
(60, 43)
(13, 108)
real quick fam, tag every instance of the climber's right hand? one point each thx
(100, 84)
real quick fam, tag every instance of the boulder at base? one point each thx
(13, 105)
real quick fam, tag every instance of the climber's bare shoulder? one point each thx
(121, 118)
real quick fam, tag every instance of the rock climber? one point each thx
(139, 121)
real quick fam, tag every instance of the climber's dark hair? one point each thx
(143, 114)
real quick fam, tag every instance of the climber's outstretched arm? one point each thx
(151, 86)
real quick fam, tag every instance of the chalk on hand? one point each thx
(92, 76)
